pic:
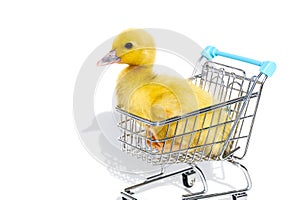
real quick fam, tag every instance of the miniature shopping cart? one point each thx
(237, 96)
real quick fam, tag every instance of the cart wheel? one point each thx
(239, 196)
(189, 178)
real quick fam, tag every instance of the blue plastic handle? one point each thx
(266, 67)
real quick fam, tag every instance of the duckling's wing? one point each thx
(154, 101)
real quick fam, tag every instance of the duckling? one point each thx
(158, 97)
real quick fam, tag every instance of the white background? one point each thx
(44, 43)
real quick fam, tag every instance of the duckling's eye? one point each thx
(128, 45)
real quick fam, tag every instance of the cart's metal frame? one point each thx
(236, 194)
(238, 98)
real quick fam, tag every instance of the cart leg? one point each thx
(128, 192)
(235, 194)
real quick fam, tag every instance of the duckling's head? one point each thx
(134, 47)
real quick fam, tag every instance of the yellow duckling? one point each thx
(158, 97)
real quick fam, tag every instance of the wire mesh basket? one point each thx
(220, 131)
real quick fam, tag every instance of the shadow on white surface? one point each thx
(101, 140)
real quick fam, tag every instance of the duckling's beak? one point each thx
(110, 58)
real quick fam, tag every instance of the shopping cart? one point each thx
(237, 96)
